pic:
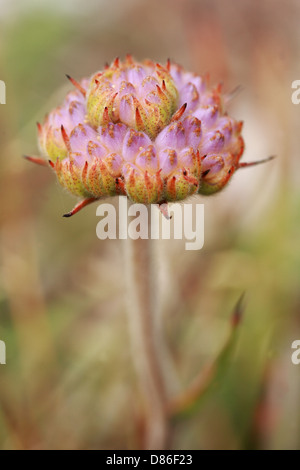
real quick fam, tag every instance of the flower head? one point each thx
(156, 134)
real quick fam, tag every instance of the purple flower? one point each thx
(156, 134)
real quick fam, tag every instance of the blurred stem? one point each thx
(146, 339)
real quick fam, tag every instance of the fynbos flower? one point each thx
(154, 133)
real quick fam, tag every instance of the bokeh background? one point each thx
(69, 382)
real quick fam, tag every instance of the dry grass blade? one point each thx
(191, 398)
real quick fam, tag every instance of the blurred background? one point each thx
(69, 382)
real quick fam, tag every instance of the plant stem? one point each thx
(146, 338)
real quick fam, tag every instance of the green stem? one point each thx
(146, 338)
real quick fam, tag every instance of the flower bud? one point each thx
(153, 133)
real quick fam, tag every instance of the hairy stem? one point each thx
(146, 337)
